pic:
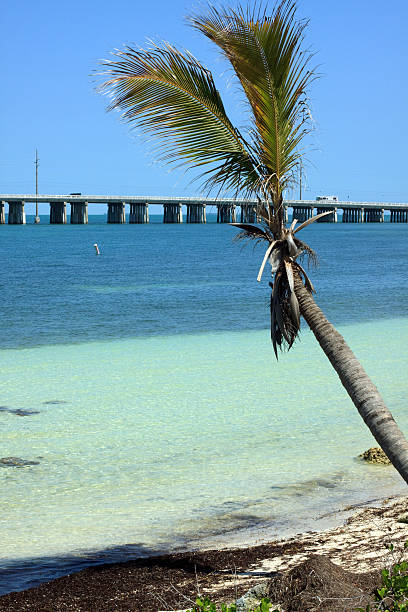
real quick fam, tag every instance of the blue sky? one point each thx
(50, 49)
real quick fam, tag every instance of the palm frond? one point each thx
(170, 95)
(305, 251)
(282, 255)
(251, 229)
(312, 220)
(265, 53)
(265, 259)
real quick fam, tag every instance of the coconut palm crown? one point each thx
(170, 95)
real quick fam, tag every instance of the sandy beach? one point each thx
(336, 569)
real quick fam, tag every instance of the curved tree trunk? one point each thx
(363, 393)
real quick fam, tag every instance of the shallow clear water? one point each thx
(160, 418)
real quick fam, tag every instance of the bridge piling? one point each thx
(353, 215)
(116, 212)
(58, 212)
(16, 214)
(172, 213)
(302, 213)
(226, 213)
(399, 216)
(139, 213)
(248, 213)
(196, 213)
(79, 213)
(2, 213)
(373, 215)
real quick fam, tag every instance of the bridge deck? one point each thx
(115, 199)
(353, 212)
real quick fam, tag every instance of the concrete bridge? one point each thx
(138, 206)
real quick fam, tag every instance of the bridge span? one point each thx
(138, 207)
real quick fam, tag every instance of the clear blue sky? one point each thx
(50, 49)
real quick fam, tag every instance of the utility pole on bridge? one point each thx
(37, 218)
(300, 178)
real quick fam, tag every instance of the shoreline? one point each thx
(171, 581)
(262, 533)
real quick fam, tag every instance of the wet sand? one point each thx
(171, 582)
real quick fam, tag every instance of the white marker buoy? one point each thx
(97, 251)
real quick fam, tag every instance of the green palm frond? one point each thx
(170, 95)
(265, 53)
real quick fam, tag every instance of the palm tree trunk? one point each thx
(363, 393)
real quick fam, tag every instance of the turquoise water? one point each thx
(142, 386)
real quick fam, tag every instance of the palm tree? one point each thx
(168, 93)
